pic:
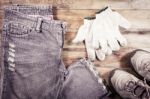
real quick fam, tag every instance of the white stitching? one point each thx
(11, 59)
(11, 54)
(11, 69)
(11, 45)
(12, 64)
(12, 50)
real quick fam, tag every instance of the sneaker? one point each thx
(140, 61)
(128, 86)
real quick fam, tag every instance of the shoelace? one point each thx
(142, 86)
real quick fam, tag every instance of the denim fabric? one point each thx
(83, 82)
(36, 10)
(32, 66)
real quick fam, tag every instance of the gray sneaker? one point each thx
(140, 61)
(128, 86)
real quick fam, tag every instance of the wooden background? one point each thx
(73, 12)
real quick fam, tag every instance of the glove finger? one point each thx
(109, 51)
(122, 41)
(95, 43)
(96, 35)
(113, 44)
(90, 51)
(80, 35)
(100, 55)
(103, 45)
(91, 54)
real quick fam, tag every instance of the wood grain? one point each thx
(139, 19)
(88, 4)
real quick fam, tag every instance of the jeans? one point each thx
(83, 82)
(32, 66)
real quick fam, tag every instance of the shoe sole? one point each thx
(111, 86)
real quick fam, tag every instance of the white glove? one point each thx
(85, 34)
(106, 32)
(100, 38)
(83, 31)
(102, 35)
(119, 20)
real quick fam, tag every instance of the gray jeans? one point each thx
(32, 67)
(83, 82)
(32, 45)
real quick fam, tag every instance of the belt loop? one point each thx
(39, 24)
(63, 25)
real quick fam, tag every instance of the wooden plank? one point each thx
(140, 19)
(90, 4)
(1, 25)
(1, 20)
(4, 2)
(1, 15)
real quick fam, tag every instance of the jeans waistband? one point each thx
(12, 16)
(32, 9)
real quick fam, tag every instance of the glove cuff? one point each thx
(101, 10)
(88, 20)
(104, 12)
